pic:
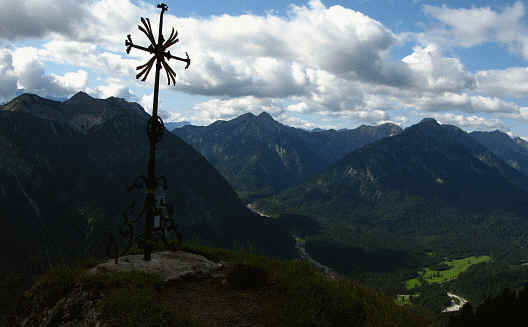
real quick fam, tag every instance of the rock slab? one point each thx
(168, 265)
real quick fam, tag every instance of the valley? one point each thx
(418, 209)
(425, 214)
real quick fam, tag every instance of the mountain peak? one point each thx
(28, 98)
(79, 97)
(500, 133)
(429, 121)
(265, 115)
(247, 115)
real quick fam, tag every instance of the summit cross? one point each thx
(155, 127)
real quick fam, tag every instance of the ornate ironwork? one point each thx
(158, 213)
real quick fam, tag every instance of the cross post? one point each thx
(155, 129)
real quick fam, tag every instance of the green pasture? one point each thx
(456, 267)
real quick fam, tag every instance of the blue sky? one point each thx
(329, 64)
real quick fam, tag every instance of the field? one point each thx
(412, 283)
(405, 299)
(454, 268)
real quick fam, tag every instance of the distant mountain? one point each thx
(432, 186)
(260, 156)
(65, 168)
(81, 112)
(49, 97)
(332, 145)
(172, 125)
(510, 150)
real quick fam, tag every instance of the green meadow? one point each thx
(453, 269)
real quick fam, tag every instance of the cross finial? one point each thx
(157, 48)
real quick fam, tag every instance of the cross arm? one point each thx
(142, 48)
(130, 45)
(187, 60)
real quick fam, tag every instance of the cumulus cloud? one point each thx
(273, 55)
(437, 72)
(473, 26)
(146, 102)
(112, 89)
(511, 82)
(367, 116)
(21, 68)
(471, 123)
(329, 61)
(464, 102)
(296, 122)
(34, 19)
(87, 55)
(72, 80)
(8, 80)
(224, 109)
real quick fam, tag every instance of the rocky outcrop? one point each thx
(168, 265)
(81, 306)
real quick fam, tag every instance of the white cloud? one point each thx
(87, 55)
(272, 55)
(316, 60)
(296, 122)
(146, 102)
(31, 19)
(8, 80)
(112, 89)
(366, 116)
(464, 102)
(437, 72)
(207, 112)
(72, 80)
(511, 82)
(22, 68)
(297, 107)
(468, 27)
(470, 123)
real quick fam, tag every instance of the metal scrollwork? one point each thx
(155, 129)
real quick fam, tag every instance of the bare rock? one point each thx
(77, 309)
(168, 265)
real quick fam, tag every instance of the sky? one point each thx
(315, 63)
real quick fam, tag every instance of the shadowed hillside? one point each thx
(260, 156)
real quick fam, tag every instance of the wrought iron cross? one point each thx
(155, 129)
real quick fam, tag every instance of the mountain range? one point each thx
(370, 200)
(172, 125)
(260, 156)
(512, 151)
(64, 172)
(430, 188)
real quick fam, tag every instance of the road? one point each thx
(457, 303)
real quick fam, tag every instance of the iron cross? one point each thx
(155, 127)
(159, 54)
